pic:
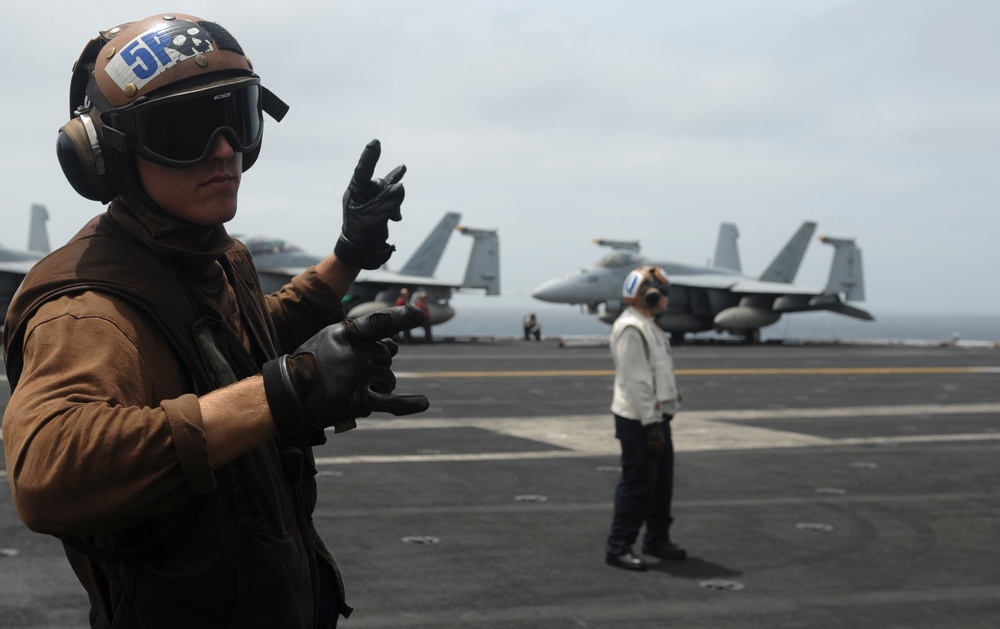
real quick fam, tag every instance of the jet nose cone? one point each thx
(553, 290)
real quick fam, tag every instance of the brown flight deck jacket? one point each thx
(103, 431)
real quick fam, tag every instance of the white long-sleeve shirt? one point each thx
(645, 387)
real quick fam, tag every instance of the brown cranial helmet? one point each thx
(644, 285)
(164, 87)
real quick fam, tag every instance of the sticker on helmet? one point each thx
(631, 285)
(151, 53)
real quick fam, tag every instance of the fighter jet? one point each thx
(14, 265)
(719, 296)
(278, 261)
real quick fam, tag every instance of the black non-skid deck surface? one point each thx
(817, 487)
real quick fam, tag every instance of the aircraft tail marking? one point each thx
(846, 275)
(425, 259)
(38, 235)
(786, 264)
(727, 255)
(483, 270)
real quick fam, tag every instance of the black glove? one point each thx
(338, 375)
(369, 205)
(655, 439)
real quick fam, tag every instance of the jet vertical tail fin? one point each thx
(483, 270)
(425, 259)
(846, 275)
(786, 264)
(727, 255)
(38, 235)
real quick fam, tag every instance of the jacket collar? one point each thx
(192, 249)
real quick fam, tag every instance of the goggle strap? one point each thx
(114, 139)
(80, 84)
(274, 106)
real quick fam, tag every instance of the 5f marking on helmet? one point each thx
(149, 54)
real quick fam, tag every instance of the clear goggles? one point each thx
(182, 129)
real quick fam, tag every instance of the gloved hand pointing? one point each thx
(369, 205)
(340, 374)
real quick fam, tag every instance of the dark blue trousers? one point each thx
(645, 489)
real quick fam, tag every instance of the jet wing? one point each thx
(17, 267)
(740, 285)
(12, 273)
(272, 278)
(706, 281)
(782, 297)
(388, 278)
(758, 287)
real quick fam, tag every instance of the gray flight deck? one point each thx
(818, 486)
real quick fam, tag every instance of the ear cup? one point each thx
(78, 148)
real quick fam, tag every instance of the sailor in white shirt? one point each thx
(645, 399)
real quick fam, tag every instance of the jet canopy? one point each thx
(618, 259)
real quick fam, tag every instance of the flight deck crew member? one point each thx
(401, 300)
(644, 401)
(163, 410)
(425, 308)
(532, 328)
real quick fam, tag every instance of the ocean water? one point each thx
(505, 322)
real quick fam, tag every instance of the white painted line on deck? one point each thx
(696, 431)
(445, 458)
(749, 371)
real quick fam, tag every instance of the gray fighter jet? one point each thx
(278, 261)
(719, 296)
(14, 264)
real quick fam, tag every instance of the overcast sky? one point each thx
(558, 122)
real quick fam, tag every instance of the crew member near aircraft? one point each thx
(164, 410)
(645, 399)
(532, 328)
(425, 308)
(401, 300)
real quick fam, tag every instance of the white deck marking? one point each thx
(593, 435)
